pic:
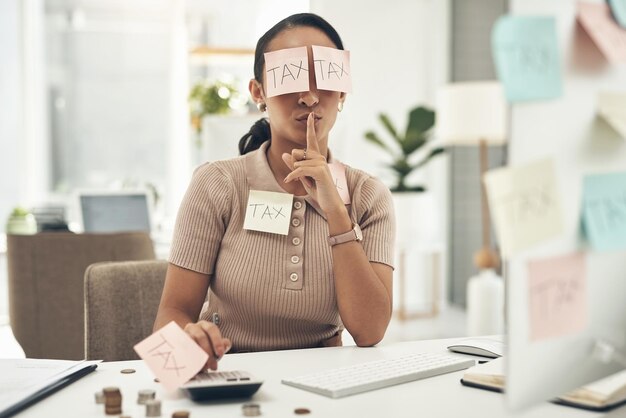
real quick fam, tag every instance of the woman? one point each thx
(268, 291)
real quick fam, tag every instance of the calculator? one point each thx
(213, 385)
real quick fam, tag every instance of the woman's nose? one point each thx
(308, 98)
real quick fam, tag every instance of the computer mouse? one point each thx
(491, 347)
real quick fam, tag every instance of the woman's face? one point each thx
(288, 112)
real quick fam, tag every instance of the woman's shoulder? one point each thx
(357, 178)
(224, 168)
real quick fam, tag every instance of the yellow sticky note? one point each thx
(268, 212)
(525, 205)
(557, 296)
(612, 108)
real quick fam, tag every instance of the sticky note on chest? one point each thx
(525, 205)
(338, 172)
(172, 355)
(268, 212)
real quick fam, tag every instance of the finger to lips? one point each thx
(311, 137)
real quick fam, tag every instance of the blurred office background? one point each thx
(94, 95)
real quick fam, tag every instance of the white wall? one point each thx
(399, 56)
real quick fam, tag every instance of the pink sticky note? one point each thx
(332, 69)
(172, 355)
(338, 171)
(557, 296)
(286, 71)
(605, 32)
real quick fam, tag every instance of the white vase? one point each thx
(485, 304)
(417, 219)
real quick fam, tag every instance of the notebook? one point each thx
(601, 395)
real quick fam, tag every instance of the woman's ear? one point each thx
(256, 91)
(342, 97)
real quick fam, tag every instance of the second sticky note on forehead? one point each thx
(287, 70)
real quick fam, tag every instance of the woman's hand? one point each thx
(310, 167)
(209, 337)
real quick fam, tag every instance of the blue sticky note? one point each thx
(526, 57)
(618, 9)
(604, 210)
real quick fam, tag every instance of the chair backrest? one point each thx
(46, 274)
(121, 303)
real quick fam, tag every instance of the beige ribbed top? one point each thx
(270, 291)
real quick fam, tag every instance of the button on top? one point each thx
(295, 222)
(293, 277)
(297, 205)
(295, 241)
(295, 259)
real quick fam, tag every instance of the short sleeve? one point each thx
(202, 219)
(376, 218)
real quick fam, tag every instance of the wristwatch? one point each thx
(354, 234)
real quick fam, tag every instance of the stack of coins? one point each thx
(145, 395)
(251, 410)
(99, 397)
(112, 401)
(153, 408)
(180, 414)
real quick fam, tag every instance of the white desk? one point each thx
(441, 396)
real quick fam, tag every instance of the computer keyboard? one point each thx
(218, 385)
(350, 380)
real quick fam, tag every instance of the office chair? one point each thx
(46, 274)
(121, 303)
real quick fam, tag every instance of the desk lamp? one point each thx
(475, 113)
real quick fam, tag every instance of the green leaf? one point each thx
(430, 155)
(402, 167)
(372, 137)
(421, 119)
(412, 144)
(390, 128)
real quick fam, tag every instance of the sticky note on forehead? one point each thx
(332, 69)
(286, 71)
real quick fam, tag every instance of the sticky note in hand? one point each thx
(172, 355)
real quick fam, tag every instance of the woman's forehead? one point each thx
(300, 36)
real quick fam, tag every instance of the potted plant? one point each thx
(416, 136)
(214, 134)
(415, 210)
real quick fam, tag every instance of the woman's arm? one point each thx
(363, 288)
(182, 299)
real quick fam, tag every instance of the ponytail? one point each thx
(258, 134)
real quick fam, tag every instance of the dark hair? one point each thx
(260, 131)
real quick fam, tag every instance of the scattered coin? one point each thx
(145, 395)
(156, 379)
(251, 410)
(302, 411)
(180, 414)
(99, 397)
(153, 408)
(112, 400)
(127, 371)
